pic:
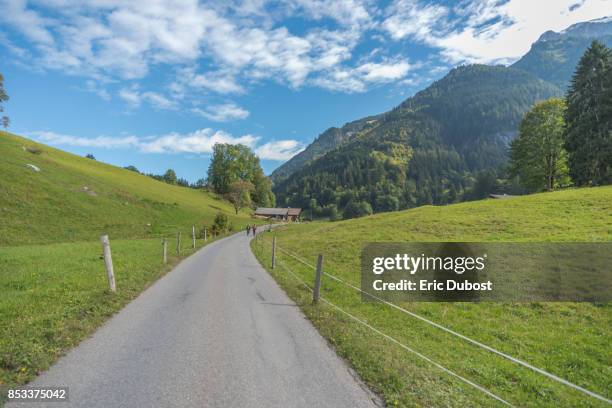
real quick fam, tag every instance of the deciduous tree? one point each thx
(169, 176)
(239, 194)
(231, 163)
(537, 155)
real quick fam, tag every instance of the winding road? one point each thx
(217, 331)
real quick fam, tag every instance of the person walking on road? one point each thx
(248, 229)
(254, 229)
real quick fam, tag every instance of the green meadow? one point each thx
(53, 284)
(569, 340)
(73, 198)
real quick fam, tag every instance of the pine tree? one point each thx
(588, 137)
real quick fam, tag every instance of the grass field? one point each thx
(570, 340)
(55, 295)
(52, 281)
(77, 199)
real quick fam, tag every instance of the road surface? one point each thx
(217, 331)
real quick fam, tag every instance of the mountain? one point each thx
(552, 58)
(555, 55)
(427, 150)
(71, 198)
(326, 141)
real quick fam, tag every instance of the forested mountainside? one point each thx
(427, 150)
(326, 141)
(555, 55)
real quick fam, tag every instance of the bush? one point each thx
(34, 150)
(356, 209)
(333, 213)
(386, 203)
(221, 223)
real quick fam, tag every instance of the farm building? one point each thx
(500, 196)
(284, 214)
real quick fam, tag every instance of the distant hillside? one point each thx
(326, 141)
(555, 55)
(428, 149)
(73, 198)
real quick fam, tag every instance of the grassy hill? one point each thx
(570, 340)
(52, 279)
(76, 199)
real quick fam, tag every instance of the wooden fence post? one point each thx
(178, 243)
(165, 250)
(193, 236)
(316, 293)
(274, 252)
(108, 262)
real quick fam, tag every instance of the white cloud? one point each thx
(16, 14)
(383, 72)
(411, 18)
(491, 31)
(100, 141)
(200, 141)
(93, 87)
(134, 98)
(357, 79)
(158, 101)
(131, 96)
(219, 82)
(346, 12)
(279, 150)
(218, 47)
(226, 47)
(223, 113)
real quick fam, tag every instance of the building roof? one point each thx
(270, 212)
(294, 211)
(500, 196)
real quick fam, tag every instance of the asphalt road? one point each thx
(217, 331)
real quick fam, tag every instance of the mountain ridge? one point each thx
(554, 55)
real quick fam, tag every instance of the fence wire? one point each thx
(454, 333)
(397, 342)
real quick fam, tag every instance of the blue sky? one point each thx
(156, 83)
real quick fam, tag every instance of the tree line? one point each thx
(564, 142)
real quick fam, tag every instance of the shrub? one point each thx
(34, 150)
(356, 209)
(221, 223)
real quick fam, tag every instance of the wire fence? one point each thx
(436, 325)
(171, 242)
